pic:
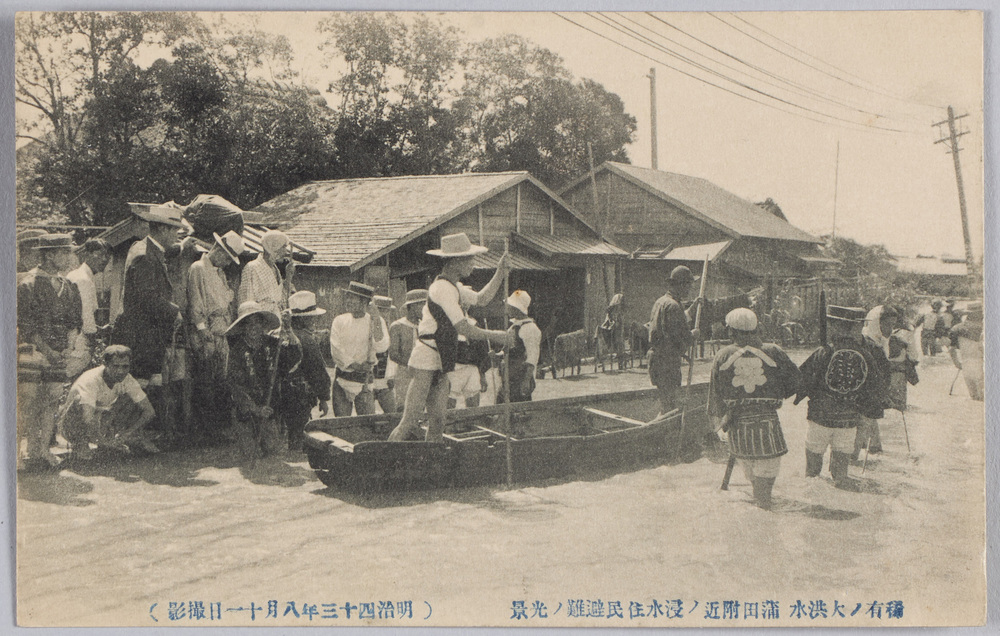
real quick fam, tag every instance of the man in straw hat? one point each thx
(210, 312)
(356, 338)
(256, 360)
(749, 380)
(261, 280)
(49, 320)
(94, 254)
(402, 334)
(443, 319)
(308, 385)
(844, 380)
(524, 353)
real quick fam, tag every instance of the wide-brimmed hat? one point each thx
(520, 299)
(231, 243)
(742, 319)
(54, 242)
(166, 214)
(303, 303)
(456, 245)
(253, 308)
(845, 314)
(415, 296)
(682, 274)
(360, 289)
(383, 302)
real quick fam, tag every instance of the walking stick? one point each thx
(730, 465)
(905, 432)
(954, 381)
(509, 427)
(694, 345)
(868, 445)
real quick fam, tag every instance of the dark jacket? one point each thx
(844, 380)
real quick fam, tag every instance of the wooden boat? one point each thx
(558, 438)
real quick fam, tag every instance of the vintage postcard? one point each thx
(554, 319)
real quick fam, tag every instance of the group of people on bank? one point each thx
(849, 382)
(208, 350)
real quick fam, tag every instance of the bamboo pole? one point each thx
(508, 425)
(694, 345)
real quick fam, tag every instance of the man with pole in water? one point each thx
(749, 380)
(443, 319)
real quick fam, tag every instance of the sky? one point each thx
(870, 70)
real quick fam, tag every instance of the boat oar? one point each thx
(508, 425)
(694, 345)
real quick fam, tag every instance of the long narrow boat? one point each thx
(558, 438)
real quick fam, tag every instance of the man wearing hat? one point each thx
(969, 334)
(94, 254)
(356, 338)
(49, 320)
(308, 384)
(261, 280)
(524, 353)
(928, 335)
(434, 353)
(149, 317)
(210, 312)
(28, 257)
(402, 334)
(749, 381)
(256, 359)
(844, 380)
(670, 338)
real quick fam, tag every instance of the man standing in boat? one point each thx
(670, 337)
(356, 338)
(750, 379)
(443, 319)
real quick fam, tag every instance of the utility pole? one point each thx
(952, 141)
(836, 179)
(652, 116)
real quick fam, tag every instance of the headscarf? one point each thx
(273, 240)
(873, 329)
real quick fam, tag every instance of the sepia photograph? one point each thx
(538, 319)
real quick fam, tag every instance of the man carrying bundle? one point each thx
(356, 338)
(844, 380)
(443, 320)
(749, 381)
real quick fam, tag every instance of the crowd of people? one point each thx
(864, 368)
(208, 350)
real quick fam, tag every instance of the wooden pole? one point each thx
(694, 346)
(508, 425)
(652, 119)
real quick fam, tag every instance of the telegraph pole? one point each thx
(836, 183)
(952, 141)
(652, 115)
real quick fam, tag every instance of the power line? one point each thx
(870, 88)
(648, 42)
(804, 90)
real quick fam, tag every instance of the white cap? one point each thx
(742, 319)
(521, 300)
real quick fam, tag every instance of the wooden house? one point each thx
(664, 219)
(378, 230)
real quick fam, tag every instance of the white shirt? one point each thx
(352, 341)
(83, 278)
(451, 299)
(90, 389)
(531, 336)
(260, 282)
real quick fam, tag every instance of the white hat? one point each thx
(455, 245)
(251, 308)
(521, 300)
(231, 243)
(303, 303)
(742, 319)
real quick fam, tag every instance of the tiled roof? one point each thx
(351, 222)
(707, 201)
(549, 245)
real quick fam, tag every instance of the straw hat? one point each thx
(360, 289)
(231, 243)
(303, 303)
(520, 300)
(415, 296)
(252, 308)
(742, 319)
(456, 245)
(682, 274)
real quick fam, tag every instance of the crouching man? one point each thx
(748, 383)
(107, 407)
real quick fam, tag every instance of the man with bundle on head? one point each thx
(308, 384)
(210, 312)
(844, 380)
(256, 360)
(356, 338)
(402, 334)
(749, 380)
(107, 407)
(524, 352)
(49, 319)
(443, 320)
(261, 280)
